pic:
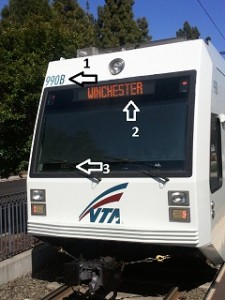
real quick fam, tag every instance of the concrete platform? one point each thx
(26, 262)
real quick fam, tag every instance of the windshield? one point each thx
(105, 128)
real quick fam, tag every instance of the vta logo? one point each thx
(99, 214)
(107, 215)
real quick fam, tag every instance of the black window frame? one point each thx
(188, 171)
(215, 155)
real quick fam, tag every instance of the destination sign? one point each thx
(115, 90)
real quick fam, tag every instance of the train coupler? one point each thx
(96, 274)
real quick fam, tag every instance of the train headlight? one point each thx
(37, 195)
(178, 198)
(116, 66)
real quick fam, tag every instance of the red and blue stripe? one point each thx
(104, 199)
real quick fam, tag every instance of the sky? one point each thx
(165, 17)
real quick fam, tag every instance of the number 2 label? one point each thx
(135, 131)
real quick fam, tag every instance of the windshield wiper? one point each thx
(138, 166)
(73, 166)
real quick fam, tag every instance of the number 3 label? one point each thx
(106, 168)
(55, 80)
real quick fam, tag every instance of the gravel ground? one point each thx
(31, 288)
(36, 286)
(28, 288)
(25, 288)
(196, 294)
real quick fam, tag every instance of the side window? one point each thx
(215, 154)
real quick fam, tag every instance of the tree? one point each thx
(116, 26)
(78, 31)
(20, 11)
(143, 27)
(190, 33)
(32, 33)
(22, 71)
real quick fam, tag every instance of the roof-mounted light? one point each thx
(87, 51)
(95, 51)
(116, 66)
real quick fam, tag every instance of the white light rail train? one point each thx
(128, 156)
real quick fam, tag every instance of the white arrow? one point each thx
(98, 166)
(131, 110)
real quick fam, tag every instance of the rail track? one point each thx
(59, 294)
(155, 289)
(174, 294)
(65, 292)
(217, 288)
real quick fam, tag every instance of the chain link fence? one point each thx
(13, 225)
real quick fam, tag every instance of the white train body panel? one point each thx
(136, 208)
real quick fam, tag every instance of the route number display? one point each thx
(55, 80)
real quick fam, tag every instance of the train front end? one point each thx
(117, 157)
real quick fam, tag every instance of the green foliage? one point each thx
(116, 26)
(20, 11)
(32, 33)
(188, 32)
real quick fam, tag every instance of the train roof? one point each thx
(157, 57)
